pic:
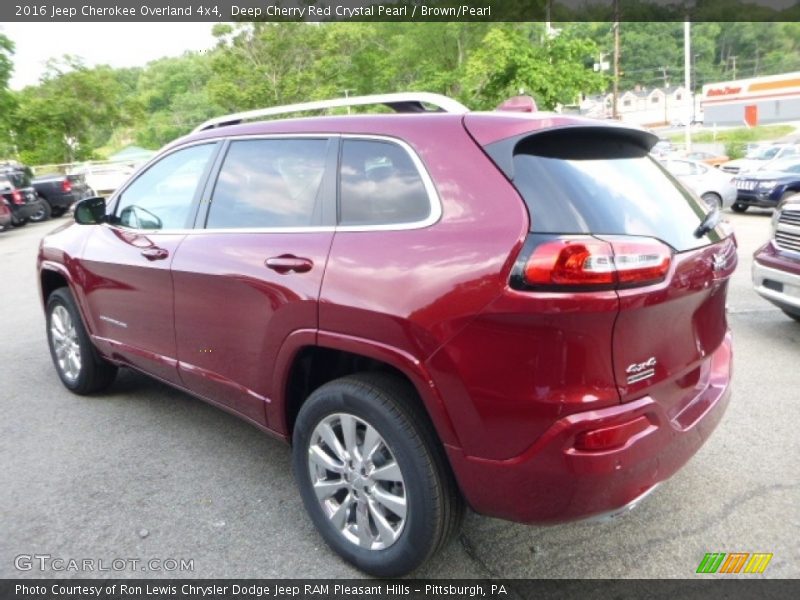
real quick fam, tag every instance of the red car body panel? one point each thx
(232, 313)
(770, 256)
(509, 378)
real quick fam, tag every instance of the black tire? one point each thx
(791, 315)
(390, 406)
(57, 211)
(738, 207)
(94, 373)
(712, 200)
(18, 222)
(43, 212)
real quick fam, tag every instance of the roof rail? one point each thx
(402, 102)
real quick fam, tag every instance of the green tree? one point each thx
(513, 58)
(7, 101)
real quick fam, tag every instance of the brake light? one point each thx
(66, 186)
(571, 262)
(17, 197)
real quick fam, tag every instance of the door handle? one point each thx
(288, 262)
(155, 253)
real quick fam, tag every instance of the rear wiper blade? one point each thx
(710, 221)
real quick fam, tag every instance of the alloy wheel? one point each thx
(357, 481)
(65, 343)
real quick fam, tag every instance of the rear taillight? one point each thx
(66, 186)
(17, 197)
(574, 263)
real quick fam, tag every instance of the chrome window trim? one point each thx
(434, 200)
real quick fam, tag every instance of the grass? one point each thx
(736, 140)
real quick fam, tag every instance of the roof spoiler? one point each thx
(571, 142)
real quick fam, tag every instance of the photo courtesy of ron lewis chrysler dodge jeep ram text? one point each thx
(516, 311)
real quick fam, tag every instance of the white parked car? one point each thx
(715, 187)
(105, 179)
(760, 158)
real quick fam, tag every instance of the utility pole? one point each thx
(615, 109)
(665, 76)
(687, 65)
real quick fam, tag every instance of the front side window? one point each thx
(162, 197)
(379, 184)
(269, 183)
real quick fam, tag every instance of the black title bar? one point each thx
(710, 588)
(397, 10)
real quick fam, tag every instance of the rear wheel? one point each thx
(42, 213)
(372, 474)
(739, 207)
(712, 200)
(78, 365)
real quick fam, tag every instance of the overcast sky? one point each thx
(115, 44)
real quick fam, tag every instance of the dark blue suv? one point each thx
(767, 188)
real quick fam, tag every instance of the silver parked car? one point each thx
(715, 187)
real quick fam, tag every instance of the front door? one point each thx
(126, 262)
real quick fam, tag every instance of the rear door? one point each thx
(250, 274)
(601, 182)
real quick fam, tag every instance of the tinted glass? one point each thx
(20, 179)
(161, 198)
(269, 183)
(380, 185)
(601, 194)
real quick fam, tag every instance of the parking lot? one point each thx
(146, 472)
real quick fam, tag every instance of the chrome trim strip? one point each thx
(433, 197)
(760, 272)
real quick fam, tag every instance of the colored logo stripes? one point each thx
(734, 562)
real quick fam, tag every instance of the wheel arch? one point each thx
(309, 359)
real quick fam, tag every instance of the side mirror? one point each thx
(91, 211)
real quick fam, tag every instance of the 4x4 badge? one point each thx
(641, 371)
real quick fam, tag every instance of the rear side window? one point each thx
(600, 186)
(269, 183)
(379, 184)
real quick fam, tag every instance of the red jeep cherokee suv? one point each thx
(520, 311)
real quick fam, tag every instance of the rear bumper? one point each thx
(25, 211)
(63, 200)
(552, 481)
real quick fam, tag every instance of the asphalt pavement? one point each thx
(147, 473)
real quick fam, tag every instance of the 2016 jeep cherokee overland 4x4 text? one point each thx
(520, 311)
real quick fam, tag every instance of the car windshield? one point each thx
(765, 153)
(791, 165)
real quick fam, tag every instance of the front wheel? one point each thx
(372, 474)
(739, 207)
(42, 213)
(77, 363)
(792, 315)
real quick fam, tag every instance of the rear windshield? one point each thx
(19, 179)
(598, 186)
